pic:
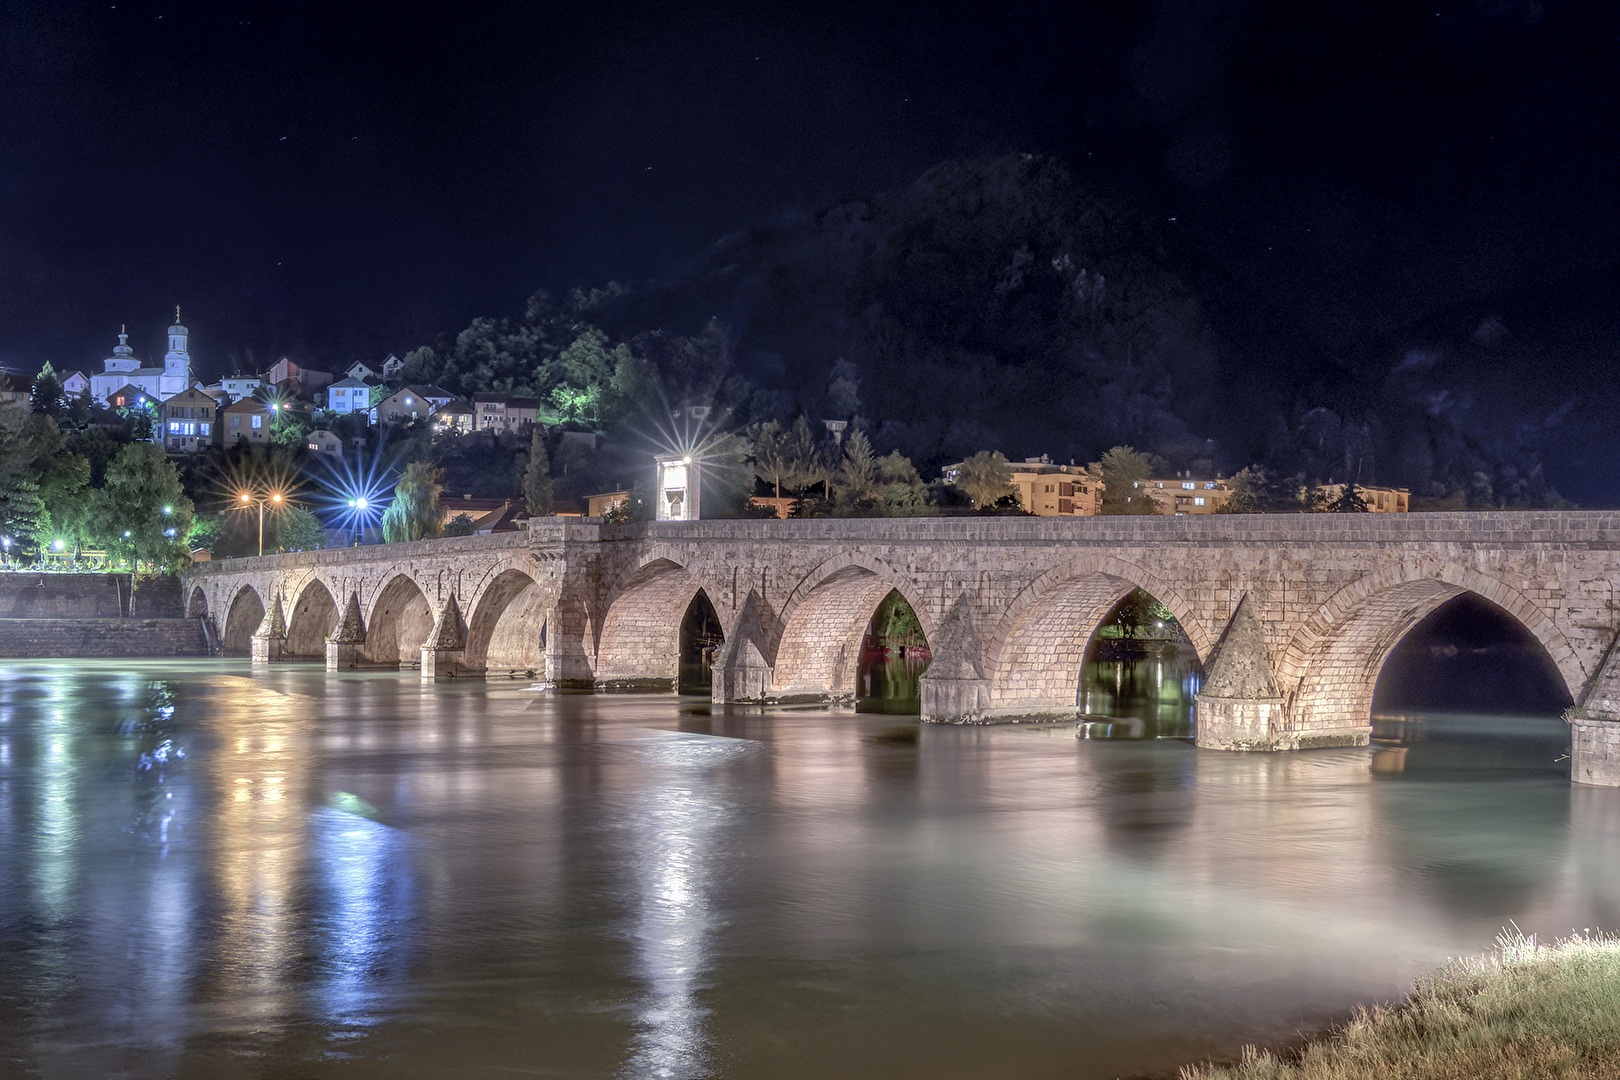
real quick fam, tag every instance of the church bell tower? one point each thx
(176, 376)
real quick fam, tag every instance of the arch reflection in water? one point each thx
(677, 826)
(1140, 674)
(894, 655)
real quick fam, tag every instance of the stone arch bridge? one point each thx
(1293, 616)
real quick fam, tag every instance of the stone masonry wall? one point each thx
(100, 638)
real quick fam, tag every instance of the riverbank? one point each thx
(1523, 1010)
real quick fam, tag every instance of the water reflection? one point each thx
(1148, 687)
(358, 933)
(676, 828)
(258, 849)
(1498, 828)
(468, 879)
(891, 679)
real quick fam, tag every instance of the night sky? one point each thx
(339, 181)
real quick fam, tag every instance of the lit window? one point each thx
(257, 420)
(174, 425)
(205, 428)
(1198, 501)
(1187, 485)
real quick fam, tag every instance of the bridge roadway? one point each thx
(1292, 616)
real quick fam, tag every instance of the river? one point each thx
(215, 871)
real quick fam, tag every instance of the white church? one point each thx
(121, 369)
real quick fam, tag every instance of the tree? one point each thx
(588, 367)
(1348, 502)
(1124, 474)
(299, 530)
(22, 511)
(769, 455)
(47, 397)
(142, 510)
(414, 513)
(855, 482)
(803, 463)
(206, 532)
(289, 427)
(537, 476)
(460, 525)
(902, 492)
(1256, 490)
(66, 494)
(984, 478)
(1139, 612)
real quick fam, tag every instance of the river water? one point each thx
(212, 871)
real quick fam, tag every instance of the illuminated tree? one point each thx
(46, 396)
(582, 404)
(22, 512)
(901, 490)
(769, 454)
(66, 494)
(415, 513)
(299, 530)
(804, 465)
(985, 478)
(142, 510)
(1125, 474)
(289, 427)
(855, 481)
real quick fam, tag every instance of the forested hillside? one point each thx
(1003, 304)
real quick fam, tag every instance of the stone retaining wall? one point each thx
(100, 638)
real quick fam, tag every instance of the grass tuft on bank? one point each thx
(1523, 1010)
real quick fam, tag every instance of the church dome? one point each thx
(177, 328)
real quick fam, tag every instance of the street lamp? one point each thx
(247, 498)
(357, 513)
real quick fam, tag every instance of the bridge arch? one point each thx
(243, 617)
(313, 616)
(1034, 657)
(1330, 669)
(401, 620)
(506, 630)
(197, 603)
(824, 623)
(640, 641)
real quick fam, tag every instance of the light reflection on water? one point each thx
(354, 873)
